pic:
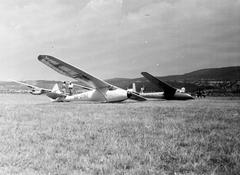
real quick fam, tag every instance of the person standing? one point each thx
(70, 87)
(64, 87)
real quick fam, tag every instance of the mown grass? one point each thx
(153, 137)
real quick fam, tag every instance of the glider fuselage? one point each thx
(160, 95)
(99, 95)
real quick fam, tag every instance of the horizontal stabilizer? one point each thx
(169, 91)
(136, 96)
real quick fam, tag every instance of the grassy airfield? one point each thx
(152, 137)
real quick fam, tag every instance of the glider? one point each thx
(169, 92)
(97, 89)
(55, 94)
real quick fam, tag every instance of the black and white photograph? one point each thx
(119, 87)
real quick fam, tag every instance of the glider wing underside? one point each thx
(169, 91)
(73, 72)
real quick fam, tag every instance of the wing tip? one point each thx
(42, 57)
(145, 73)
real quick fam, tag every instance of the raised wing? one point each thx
(169, 91)
(73, 72)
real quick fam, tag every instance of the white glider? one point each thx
(55, 94)
(98, 90)
(169, 92)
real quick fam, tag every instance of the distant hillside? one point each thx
(191, 81)
(225, 73)
(188, 79)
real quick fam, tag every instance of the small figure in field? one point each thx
(64, 87)
(201, 94)
(70, 87)
(204, 94)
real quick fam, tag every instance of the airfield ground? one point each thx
(153, 137)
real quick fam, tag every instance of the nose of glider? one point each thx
(189, 96)
(183, 96)
(129, 94)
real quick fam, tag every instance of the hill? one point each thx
(223, 74)
(191, 81)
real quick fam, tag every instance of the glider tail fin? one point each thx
(134, 87)
(56, 89)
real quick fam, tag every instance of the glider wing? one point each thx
(168, 90)
(75, 73)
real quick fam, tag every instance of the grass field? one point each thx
(152, 137)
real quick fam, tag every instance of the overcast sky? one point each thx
(118, 38)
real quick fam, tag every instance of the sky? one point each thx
(118, 38)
